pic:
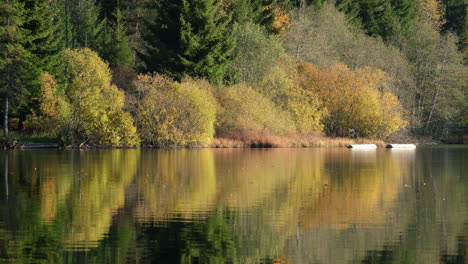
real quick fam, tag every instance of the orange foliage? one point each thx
(354, 99)
(281, 22)
(49, 102)
(433, 9)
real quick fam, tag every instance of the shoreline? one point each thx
(254, 141)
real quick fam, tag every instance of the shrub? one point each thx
(244, 111)
(303, 105)
(54, 110)
(354, 99)
(175, 114)
(96, 105)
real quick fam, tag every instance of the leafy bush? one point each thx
(325, 37)
(54, 110)
(355, 101)
(96, 113)
(244, 111)
(175, 114)
(303, 105)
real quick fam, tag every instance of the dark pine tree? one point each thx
(46, 34)
(44, 42)
(189, 37)
(117, 50)
(380, 17)
(456, 14)
(13, 56)
(84, 27)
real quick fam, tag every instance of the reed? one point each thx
(292, 141)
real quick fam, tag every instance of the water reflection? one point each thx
(235, 206)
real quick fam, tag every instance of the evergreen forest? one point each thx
(167, 73)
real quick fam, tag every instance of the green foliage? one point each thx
(440, 78)
(190, 37)
(255, 53)
(46, 36)
(13, 57)
(380, 17)
(88, 86)
(175, 114)
(117, 50)
(456, 15)
(83, 26)
(244, 111)
(256, 12)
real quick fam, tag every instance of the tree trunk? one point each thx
(5, 118)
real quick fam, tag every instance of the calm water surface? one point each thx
(235, 206)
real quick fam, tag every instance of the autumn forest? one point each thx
(167, 73)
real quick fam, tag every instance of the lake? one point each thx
(317, 205)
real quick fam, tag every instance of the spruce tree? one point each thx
(189, 37)
(117, 50)
(13, 56)
(43, 43)
(380, 17)
(46, 35)
(84, 27)
(406, 11)
(351, 8)
(262, 12)
(206, 46)
(456, 14)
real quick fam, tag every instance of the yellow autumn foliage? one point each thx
(356, 100)
(244, 111)
(53, 109)
(304, 106)
(433, 10)
(97, 106)
(175, 114)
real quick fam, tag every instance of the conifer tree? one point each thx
(380, 17)
(456, 14)
(13, 56)
(406, 11)
(43, 43)
(189, 37)
(249, 11)
(84, 28)
(351, 9)
(117, 50)
(46, 35)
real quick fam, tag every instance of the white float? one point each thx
(363, 146)
(401, 146)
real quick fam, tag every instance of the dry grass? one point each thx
(296, 141)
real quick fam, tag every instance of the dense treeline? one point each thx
(179, 72)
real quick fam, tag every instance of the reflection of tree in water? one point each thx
(356, 211)
(438, 220)
(238, 206)
(175, 184)
(203, 241)
(97, 193)
(63, 199)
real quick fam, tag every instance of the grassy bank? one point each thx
(252, 141)
(289, 141)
